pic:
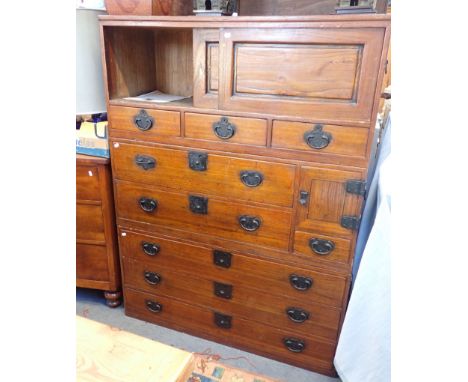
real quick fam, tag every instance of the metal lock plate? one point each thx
(222, 259)
(198, 204)
(222, 290)
(198, 161)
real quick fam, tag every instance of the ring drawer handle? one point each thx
(224, 129)
(143, 121)
(145, 162)
(153, 306)
(301, 283)
(148, 204)
(249, 223)
(251, 178)
(151, 249)
(293, 344)
(297, 314)
(321, 247)
(222, 320)
(317, 138)
(152, 278)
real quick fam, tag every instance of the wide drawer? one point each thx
(307, 351)
(144, 123)
(233, 267)
(317, 138)
(195, 171)
(89, 222)
(248, 131)
(234, 221)
(87, 183)
(298, 315)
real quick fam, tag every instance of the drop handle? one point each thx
(301, 283)
(145, 162)
(143, 121)
(297, 315)
(151, 249)
(250, 223)
(317, 138)
(152, 278)
(153, 306)
(148, 204)
(321, 247)
(294, 345)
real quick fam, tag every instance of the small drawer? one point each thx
(201, 171)
(322, 247)
(145, 123)
(227, 129)
(214, 263)
(87, 183)
(297, 315)
(305, 350)
(89, 223)
(193, 212)
(92, 262)
(317, 138)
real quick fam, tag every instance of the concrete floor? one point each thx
(91, 304)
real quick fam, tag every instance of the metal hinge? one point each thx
(350, 222)
(357, 187)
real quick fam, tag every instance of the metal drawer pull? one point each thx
(321, 247)
(198, 161)
(303, 197)
(153, 306)
(293, 344)
(152, 277)
(143, 121)
(148, 204)
(151, 249)
(145, 162)
(249, 223)
(301, 283)
(222, 320)
(222, 290)
(251, 178)
(224, 129)
(317, 138)
(222, 259)
(297, 314)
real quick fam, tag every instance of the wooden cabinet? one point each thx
(238, 207)
(97, 259)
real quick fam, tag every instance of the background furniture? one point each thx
(238, 207)
(97, 258)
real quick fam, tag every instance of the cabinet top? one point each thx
(238, 21)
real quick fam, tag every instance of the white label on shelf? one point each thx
(227, 34)
(116, 145)
(90, 173)
(124, 233)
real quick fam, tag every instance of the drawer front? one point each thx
(87, 183)
(324, 73)
(233, 268)
(300, 316)
(144, 123)
(227, 129)
(89, 222)
(317, 138)
(328, 249)
(198, 171)
(234, 221)
(91, 262)
(224, 327)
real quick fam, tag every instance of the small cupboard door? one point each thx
(322, 73)
(329, 201)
